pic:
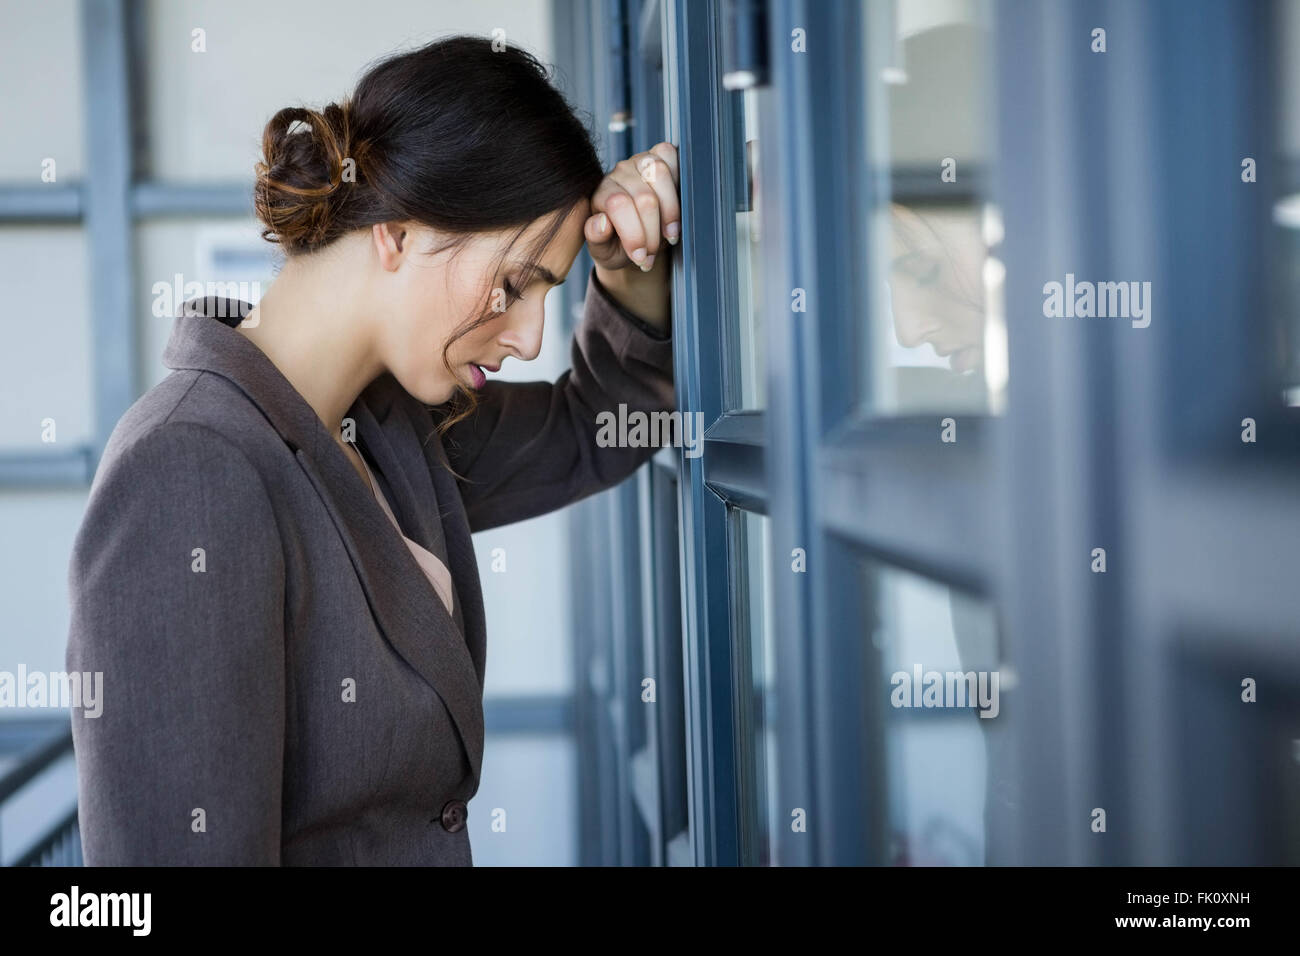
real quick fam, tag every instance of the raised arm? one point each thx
(532, 447)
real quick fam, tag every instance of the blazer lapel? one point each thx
(425, 463)
(460, 552)
(407, 610)
(407, 473)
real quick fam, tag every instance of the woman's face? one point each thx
(430, 296)
(935, 284)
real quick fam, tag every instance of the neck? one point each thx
(313, 326)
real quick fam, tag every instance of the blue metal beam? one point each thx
(109, 233)
(702, 299)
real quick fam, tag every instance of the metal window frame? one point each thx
(995, 515)
(732, 472)
(1095, 446)
(830, 769)
(1147, 427)
(673, 92)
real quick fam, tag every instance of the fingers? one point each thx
(668, 153)
(659, 175)
(635, 208)
(604, 242)
(597, 231)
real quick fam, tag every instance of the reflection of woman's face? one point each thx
(934, 282)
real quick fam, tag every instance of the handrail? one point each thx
(61, 844)
(31, 765)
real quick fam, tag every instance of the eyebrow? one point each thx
(545, 273)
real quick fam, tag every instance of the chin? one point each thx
(967, 360)
(441, 395)
(437, 392)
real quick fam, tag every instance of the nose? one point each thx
(910, 331)
(522, 334)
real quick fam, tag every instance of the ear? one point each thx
(389, 239)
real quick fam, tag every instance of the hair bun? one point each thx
(302, 178)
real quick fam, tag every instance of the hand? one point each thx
(636, 217)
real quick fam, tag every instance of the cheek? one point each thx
(415, 348)
(477, 343)
(905, 303)
(418, 343)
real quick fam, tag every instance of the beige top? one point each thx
(433, 569)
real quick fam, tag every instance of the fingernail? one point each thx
(649, 261)
(638, 255)
(603, 223)
(672, 231)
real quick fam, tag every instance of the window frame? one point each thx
(1101, 454)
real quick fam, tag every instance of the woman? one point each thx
(935, 286)
(275, 573)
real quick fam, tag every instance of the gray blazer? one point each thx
(281, 683)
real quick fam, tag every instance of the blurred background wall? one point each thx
(196, 132)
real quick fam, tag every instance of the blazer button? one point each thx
(454, 815)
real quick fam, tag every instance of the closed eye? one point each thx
(919, 266)
(511, 290)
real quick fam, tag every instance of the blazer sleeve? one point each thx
(182, 764)
(531, 447)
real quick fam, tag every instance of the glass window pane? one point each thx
(756, 647)
(47, 368)
(936, 341)
(1286, 211)
(665, 660)
(747, 389)
(950, 794)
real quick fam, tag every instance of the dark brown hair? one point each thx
(463, 135)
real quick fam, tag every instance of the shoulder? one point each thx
(178, 477)
(190, 416)
(166, 468)
(174, 450)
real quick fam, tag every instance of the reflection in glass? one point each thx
(934, 345)
(754, 550)
(48, 369)
(748, 266)
(951, 801)
(1286, 210)
(936, 299)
